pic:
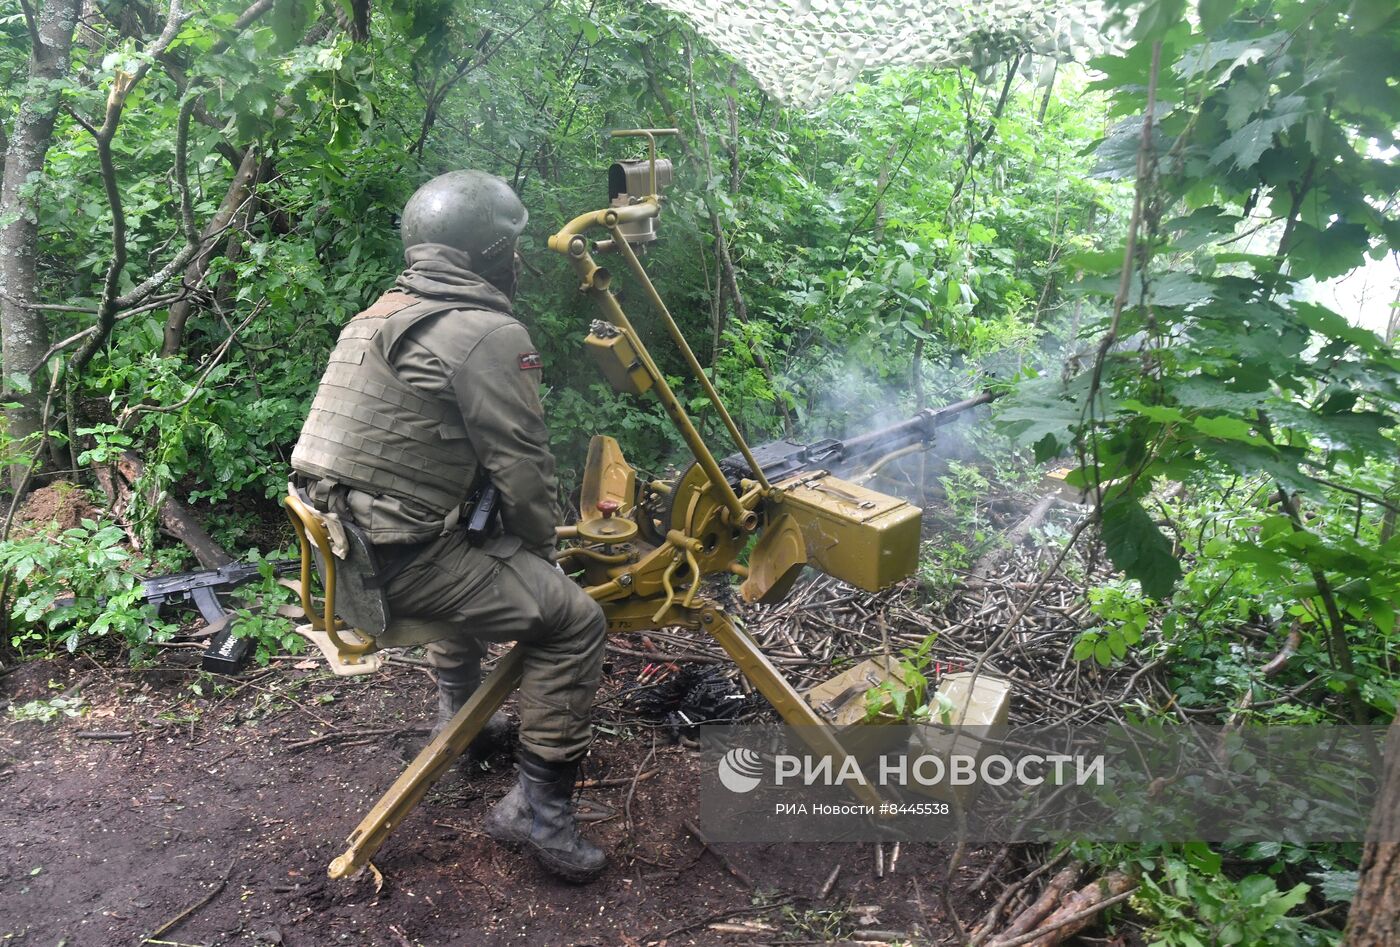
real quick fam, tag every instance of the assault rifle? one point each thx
(226, 653)
(201, 589)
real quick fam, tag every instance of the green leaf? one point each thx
(1227, 428)
(1137, 547)
(1326, 254)
(1116, 643)
(1046, 425)
(1100, 262)
(1207, 57)
(1162, 414)
(1367, 16)
(1103, 654)
(1244, 98)
(1337, 884)
(1281, 464)
(1211, 394)
(1202, 857)
(1202, 226)
(1156, 18)
(1176, 289)
(1327, 323)
(1214, 13)
(1244, 148)
(913, 329)
(290, 20)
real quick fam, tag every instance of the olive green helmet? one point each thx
(471, 211)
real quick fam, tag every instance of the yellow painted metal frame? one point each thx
(311, 530)
(626, 616)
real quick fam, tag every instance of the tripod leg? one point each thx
(774, 687)
(408, 790)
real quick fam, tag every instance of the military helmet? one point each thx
(470, 211)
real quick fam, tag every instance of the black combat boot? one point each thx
(451, 696)
(452, 692)
(538, 813)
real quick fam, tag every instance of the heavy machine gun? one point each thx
(644, 548)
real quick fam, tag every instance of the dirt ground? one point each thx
(58, 506)
(198, 816)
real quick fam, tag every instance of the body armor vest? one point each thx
(372, 431)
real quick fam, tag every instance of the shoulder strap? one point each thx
(394, 301)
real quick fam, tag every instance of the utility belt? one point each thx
(378, 564)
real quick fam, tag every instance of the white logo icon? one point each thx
(739, 770)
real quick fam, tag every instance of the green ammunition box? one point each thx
(617, 359)
(865, 538)
(841, 700)
(981, 705)
(980, 709)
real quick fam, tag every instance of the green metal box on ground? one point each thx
(867, 539)
(982, 704)
(841, 700)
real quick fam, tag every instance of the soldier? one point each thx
(430, 389)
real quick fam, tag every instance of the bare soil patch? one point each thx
(59, 506)
(205, 806)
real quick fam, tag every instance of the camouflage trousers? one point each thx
(499, 592)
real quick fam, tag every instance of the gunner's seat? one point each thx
(352, 622)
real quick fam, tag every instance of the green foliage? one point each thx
(1268, 121)
(256, 617)
(1137, 547)
(846, 303)
(1235, 608)
(1191, 904)
(905, 697)
(74, 586)
(1124, 617)
(1196, 895)
(1276, 416)
(271, 634)
(47, 711)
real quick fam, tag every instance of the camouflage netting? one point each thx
(805, 51)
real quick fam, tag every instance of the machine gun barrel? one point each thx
(915, 430)
(782, 459)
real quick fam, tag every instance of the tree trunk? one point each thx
(1375, 913)
(1392, 333)
(194, 273)
(731, 104)
(24, 330)
(1049, 88)
(882, 183)
(722, 254)
(177, 520)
